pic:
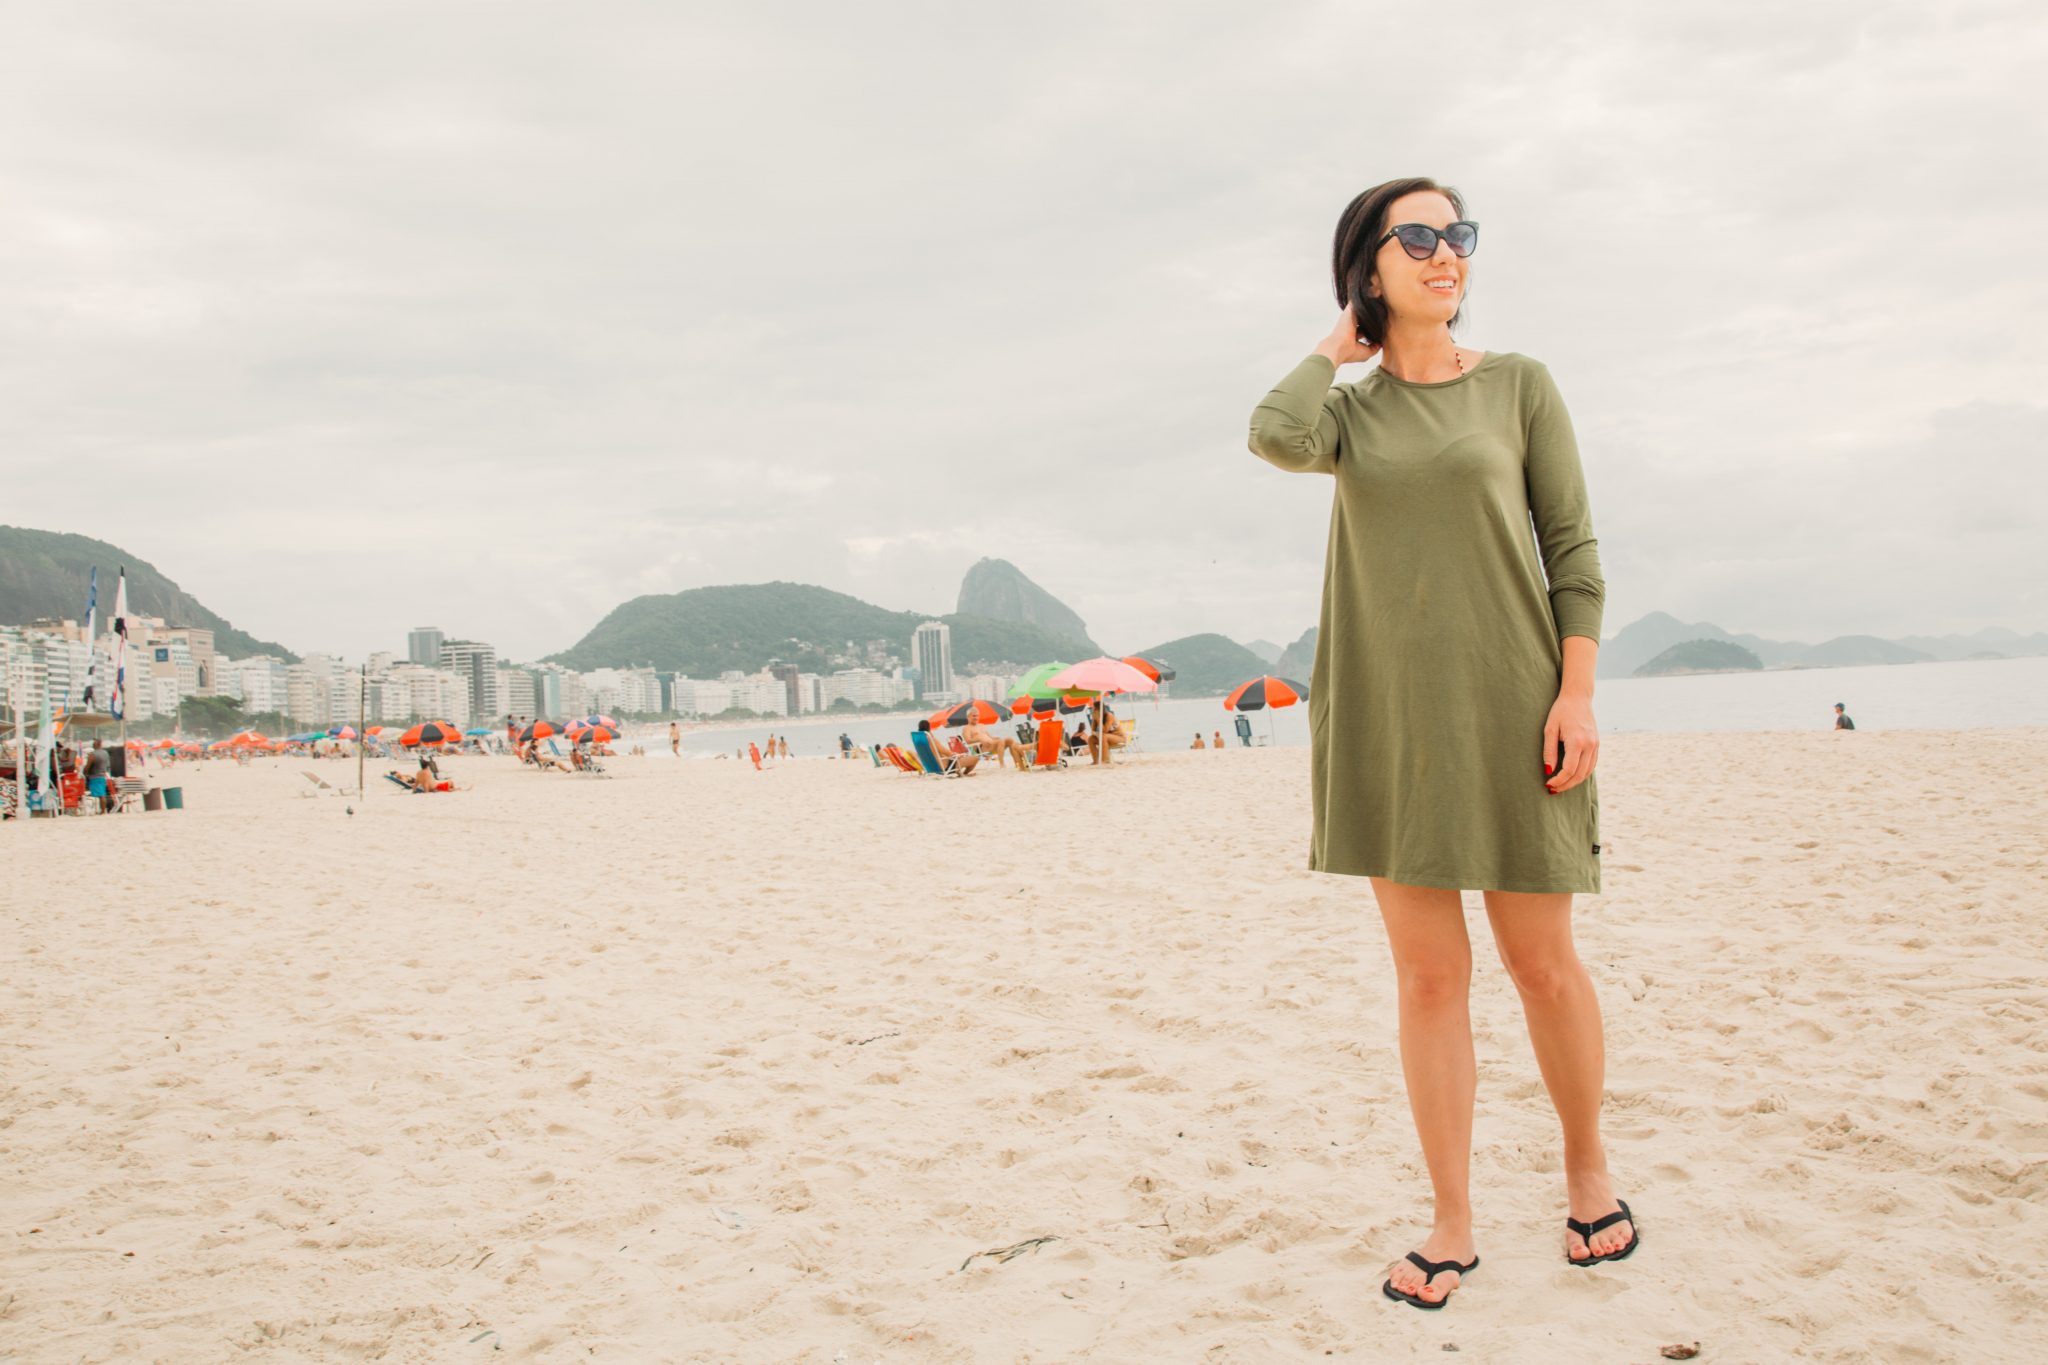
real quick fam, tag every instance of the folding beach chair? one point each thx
(904, 761)
(1052, 745)
(928, 757)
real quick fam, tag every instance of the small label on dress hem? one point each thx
(1596, 848)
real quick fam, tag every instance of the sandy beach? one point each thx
(702, 1064)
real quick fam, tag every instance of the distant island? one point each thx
(1700, 656)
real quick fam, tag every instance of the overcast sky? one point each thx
(357, 317)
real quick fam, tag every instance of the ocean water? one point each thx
(1926, 696)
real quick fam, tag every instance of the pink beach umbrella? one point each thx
(1101, 675)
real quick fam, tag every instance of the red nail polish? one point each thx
(1546, 770)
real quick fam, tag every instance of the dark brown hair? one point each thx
(1364, 222)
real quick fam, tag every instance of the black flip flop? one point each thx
(1430, 1270)
(1586, 1231)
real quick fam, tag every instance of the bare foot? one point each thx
(1443, 1245)
(1589, 1197)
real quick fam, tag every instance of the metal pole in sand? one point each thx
(362, 702)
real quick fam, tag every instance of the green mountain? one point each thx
(1206, 665)
(998, 589)
(1701, 656)
(1298, 660)
(45, 574)
(704, 631)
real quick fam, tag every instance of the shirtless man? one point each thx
(675, 739)
(981, 741)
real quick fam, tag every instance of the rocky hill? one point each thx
(998, 590)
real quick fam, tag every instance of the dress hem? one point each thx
(1441, 882)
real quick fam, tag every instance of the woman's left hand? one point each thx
(1570, 721)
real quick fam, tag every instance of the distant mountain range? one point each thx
(1002, 617)
(46, 573)
(1643, 640)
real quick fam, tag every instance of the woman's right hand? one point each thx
(1342, 345)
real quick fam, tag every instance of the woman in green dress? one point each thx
(1462, 597)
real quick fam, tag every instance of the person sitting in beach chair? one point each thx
(552, 758)
(1080, 739)
(427, 779)
(941, 760)
(1002, 746)
(1112, 733)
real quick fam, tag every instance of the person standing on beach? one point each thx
(1842, 721)
(675, 739)
(1453, 638)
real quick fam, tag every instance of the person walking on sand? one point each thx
(784, 742)
(1842, 721)
(1447, 624)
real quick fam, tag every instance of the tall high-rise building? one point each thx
(787, 675)
(423, 646)
(477, 665)
(931, 651)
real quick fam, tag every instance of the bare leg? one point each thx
(1433, 968)
(1534, 934)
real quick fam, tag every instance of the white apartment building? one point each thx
(613, 690)
(700, 697)
(993, 687)
(864, 687)
(477, 664)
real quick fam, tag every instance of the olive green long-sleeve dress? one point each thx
(1439, 653)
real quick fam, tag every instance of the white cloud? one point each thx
(365, 316)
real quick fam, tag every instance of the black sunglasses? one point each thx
(1419, 239)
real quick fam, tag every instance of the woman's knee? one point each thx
(1546, 975)
(1435, 985)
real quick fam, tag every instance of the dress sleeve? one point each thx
(1295, 426)
(1562, 514)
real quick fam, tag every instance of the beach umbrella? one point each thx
(974, 711)
(1045, 706)
(1032, 684)
(167, 744)
(1264, 691)
(592, 734)
(480, 730)
(1101, 676)
(1267, 693)
(430, 733)
(1157, 672)
(596, 718)
(342, 732)
(540, 729)
(248, 739)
